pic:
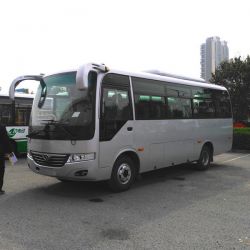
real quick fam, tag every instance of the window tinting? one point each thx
(203, 103)
(179, 108)
(6, 114)
(22, 116)
(161, 100)
(150, 100)
(222, 104)
(22, 111)
(203, 108)
(149, 107)
(116, 80)
(151, 87)
(116, 107)
(201, 93)
(178, 91)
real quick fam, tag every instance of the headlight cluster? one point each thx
(81, 157)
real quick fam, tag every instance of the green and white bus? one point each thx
(16, 119)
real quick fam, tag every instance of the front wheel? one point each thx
(205, 158)
(123, 174)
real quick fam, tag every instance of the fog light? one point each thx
(81, 173)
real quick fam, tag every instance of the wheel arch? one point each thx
(132, 155)
(210, 145)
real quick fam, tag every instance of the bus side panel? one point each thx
(109, 150)
(165, 142)
(216, 131)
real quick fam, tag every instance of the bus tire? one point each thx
(205, 158)
(123, 174)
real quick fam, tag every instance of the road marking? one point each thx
(234, 159)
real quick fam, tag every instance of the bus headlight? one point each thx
(81, 157)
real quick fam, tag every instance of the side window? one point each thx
(142, 107)
(179, 108)
(158, 107)
(22, 116)
(222, 104)
(116, 107)
(203, 103)
(5, 114)
(150, 107)
(179, 102)
(203, 108)
(149, 98)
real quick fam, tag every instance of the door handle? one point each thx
(129, 128)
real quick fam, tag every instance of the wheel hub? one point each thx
(124, 173)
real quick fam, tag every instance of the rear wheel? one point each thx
(123, 174)
(205, 158)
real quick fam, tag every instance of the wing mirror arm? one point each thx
(19, 79)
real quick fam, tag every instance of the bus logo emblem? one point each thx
(45, 157)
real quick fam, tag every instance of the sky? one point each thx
(41, 36)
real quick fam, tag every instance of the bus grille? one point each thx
(52, 160)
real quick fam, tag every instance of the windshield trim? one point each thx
(68, 116)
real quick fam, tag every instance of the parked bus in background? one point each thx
(16, 120)
(98, 124)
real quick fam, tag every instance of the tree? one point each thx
(235, 76)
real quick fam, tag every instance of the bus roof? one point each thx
(171, 79)
(161, 76)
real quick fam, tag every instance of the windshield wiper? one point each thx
(60, 125)
(33, 133)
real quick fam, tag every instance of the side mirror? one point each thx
(18, 80)
(82, 76)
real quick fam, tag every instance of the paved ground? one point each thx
(174, 208)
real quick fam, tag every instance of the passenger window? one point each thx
(149, 107)
(178, 91)
(146, 86)
(222, 104)
(203, 103)
(149, 99)
(22, 116)
(179, 108)
(5, 114)
(203, 108)
(116, 107)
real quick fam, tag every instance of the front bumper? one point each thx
(70, 171)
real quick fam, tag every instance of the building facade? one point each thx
(213, 52)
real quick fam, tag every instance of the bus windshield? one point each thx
(66, 113)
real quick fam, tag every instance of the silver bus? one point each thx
(95, 124)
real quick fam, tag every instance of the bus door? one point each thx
(116, 118)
